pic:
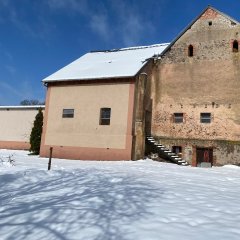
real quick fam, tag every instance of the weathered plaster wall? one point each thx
(207, 82)
(224, 152)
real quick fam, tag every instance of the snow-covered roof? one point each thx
(121, 63)
(22, 107)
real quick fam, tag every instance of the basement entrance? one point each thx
(204, 157)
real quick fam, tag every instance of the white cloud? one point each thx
(131, 23)
(25, 89)
(79, 6)
(37, 28)
(9, 89)
(11, 69)
(99, 24)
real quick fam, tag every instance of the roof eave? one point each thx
(86, 79)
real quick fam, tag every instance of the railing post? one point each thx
(50, 159)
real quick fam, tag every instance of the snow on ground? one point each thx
(116, 200)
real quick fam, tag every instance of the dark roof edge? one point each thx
(191, 23)
(87, 79)
(224, 14)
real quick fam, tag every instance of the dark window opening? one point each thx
(105, 115)
(68, 113)
(210, 23)
(190, 50)
(177, 150)
(204, 157)
(205, 117)
(235, 46)
(178, 117)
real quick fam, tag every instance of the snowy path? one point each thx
(117, 200)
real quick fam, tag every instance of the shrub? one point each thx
(36, 133)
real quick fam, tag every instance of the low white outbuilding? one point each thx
(16, 123)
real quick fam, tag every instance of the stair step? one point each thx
(161, 148)
(181, 161)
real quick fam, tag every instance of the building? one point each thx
(16, 125)
(185, 94)
(196, 91)
(94, 106)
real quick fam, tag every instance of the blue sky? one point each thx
(39, 37)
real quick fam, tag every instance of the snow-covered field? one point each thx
(117, 200)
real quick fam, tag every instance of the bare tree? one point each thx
(27, 102)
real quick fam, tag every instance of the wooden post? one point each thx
(50, 159)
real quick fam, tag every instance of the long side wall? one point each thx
(224, 152)
(82, 137)
(15, 127)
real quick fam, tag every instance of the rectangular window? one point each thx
(105, 115)
(68, 113)
(205, 117)
(178, 117)
(177, 149)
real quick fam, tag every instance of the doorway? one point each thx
(204, 157)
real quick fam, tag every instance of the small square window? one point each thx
(210, 23)
(177, 149)
(205, 117)
(68, 113)
(105, 116)
(178, 117)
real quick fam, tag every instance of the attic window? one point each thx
(235, 46)
(190, 50)
(210, 23)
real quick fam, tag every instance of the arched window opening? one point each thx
(190, 50)
(235, 46)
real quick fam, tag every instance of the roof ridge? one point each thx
(130, 48)
(142, 47)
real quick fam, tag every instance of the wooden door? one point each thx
(204, 155)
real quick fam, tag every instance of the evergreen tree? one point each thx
(35, 137)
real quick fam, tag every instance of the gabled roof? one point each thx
(122, 63)
(191, 23)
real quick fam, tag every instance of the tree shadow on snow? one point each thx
(84, 204)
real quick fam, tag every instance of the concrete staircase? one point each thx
(164, 152)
